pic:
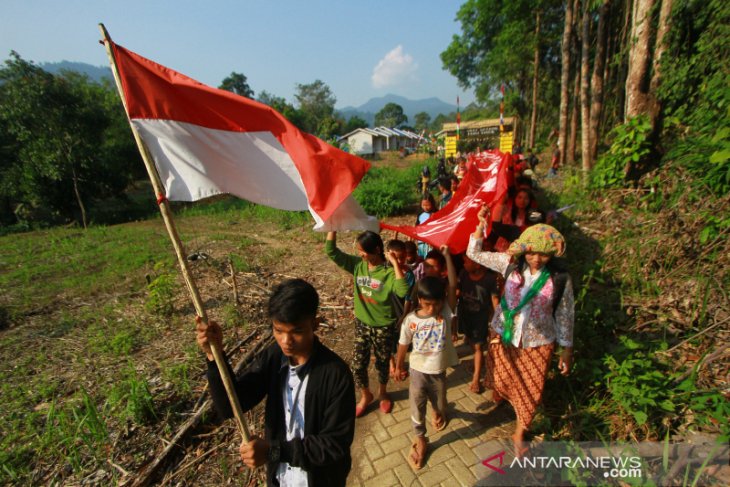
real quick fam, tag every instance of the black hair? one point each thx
(436, 255)
(292, 301)
(371, 243)
(432, 288)
(428, 196)
(410, 244)
(396, 245)
(530, 194)
(554, 266)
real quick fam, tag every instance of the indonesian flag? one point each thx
(206, 141)
(485, 182)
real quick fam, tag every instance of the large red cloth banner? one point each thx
(485, 182)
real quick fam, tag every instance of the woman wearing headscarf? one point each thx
(535, 312)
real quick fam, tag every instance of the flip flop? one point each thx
(386, 405)
(415, 460)
(439, 426)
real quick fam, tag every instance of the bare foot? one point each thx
(476, 387)
(417, 454)
(365, 399)
(520, 445)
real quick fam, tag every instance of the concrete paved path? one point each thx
(382, 440)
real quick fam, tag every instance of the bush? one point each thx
(630, 145)
(387, 191)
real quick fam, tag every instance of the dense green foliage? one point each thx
(386, 191)
(238, 84)
(630, 144)
(391, 115)
(695, 91)
(65, 146)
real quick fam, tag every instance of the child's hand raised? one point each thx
(484, 215)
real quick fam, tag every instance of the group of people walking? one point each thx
(510, 297)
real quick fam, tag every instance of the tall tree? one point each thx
(565, 77)
(61, 129)
(422, 121)
(660, 46)
(354, 123)
(316, 104)
(599, 74)
(535, 71)
(585, 107)
(637, 79)
(238, 84)
(391, 115)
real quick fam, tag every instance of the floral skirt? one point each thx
(518, 375)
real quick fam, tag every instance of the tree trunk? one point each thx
(599, 75)
(659, 47)
(637, 79)
(535, 70)
(78, 197)
(565, 78)
(575, 114)
(585, 107)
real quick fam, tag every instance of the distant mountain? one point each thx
(367, 111)
(95, 73)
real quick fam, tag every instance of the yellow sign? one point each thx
(506, 141)
(450, 146)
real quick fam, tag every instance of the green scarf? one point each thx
(509, 314)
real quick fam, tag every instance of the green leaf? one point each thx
(641, 417)
(719, 157)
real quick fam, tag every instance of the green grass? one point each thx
(77, 308)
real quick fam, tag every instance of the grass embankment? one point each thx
(651, 270)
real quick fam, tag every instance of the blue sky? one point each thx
(359, 49)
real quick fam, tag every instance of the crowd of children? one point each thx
(509, 296)
(473, 295)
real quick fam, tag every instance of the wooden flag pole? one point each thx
(177, 244)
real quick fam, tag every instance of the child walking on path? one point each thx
(428, 329)
(536, 310)
(374, 311)
(479, 291)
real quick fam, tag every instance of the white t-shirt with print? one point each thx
(433, 350)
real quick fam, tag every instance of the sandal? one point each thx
(416, 458)
(439, 422)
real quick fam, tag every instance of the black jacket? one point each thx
(329, 411)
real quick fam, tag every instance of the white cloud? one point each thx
(395, 68)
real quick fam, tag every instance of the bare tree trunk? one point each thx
(585, 107)
(565, 78)
(535, 70)
(637, 79)
(78, 196)
(599, 75)
(575, 114)
(659, 47)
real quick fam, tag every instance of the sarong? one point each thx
(518, 375)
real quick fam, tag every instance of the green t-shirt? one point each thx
(372, 287)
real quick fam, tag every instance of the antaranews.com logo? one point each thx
(594, 463)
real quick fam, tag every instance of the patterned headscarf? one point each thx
(539, 238)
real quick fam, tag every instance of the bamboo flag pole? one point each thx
(177, 244)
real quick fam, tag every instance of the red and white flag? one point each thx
(206, 141)
(485, 182)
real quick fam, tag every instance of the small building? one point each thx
(370, 141)
(484, 133)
